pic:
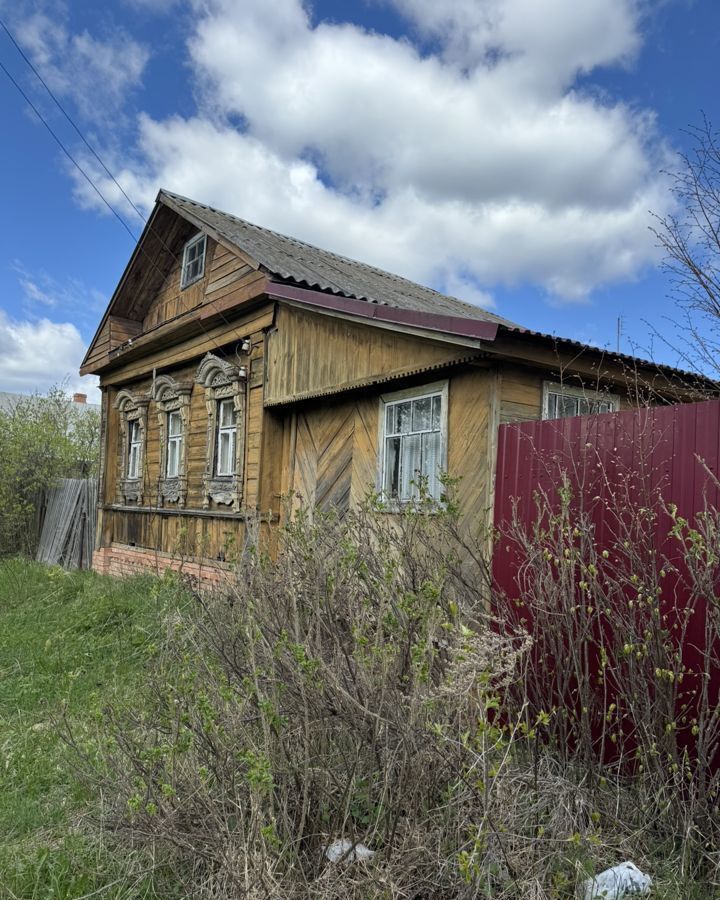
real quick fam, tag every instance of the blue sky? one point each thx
(506, 151)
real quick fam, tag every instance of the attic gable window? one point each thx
(193, 266)
(413, 450)
(561, 401)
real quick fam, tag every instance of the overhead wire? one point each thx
(70, 119)
(215, 344)
(97, 156)
(67, 153)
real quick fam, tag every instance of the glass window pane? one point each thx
(227, 413)
(422, 414)
(392, 467)
(391, 418)
(431, 463)
(172, 459)
(436, 403)
(411, 466)
(567, 406)
(174, 424)
(404, 417)
(223, 455)
(132, 462)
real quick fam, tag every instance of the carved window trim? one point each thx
(132, 408)
(223, 381)
(172, 396)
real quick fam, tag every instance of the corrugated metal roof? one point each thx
(296, 262)
(292, 260)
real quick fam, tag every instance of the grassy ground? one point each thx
(70, 643)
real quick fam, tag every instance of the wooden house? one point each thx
(239, 366)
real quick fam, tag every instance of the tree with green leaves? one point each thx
(42, 439)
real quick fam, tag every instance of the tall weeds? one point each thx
(357, 688)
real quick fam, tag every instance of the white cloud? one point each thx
(546, 43)
(482, 158)
(71, 295)
(35, 355)
(96, 73)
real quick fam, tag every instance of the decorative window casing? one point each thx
(412, 445)
(561, 401)
(133, 428)
(224, 385)
(172, 399)
(193, 264)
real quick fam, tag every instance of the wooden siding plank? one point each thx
(310, 353)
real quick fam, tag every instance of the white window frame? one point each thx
(176, 441)
(416, 393)
(193, 242)
(133, 410)
(231, 431)
(565, 390)
(135, 442)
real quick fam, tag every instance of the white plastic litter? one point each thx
(625, 880)
(345, 851)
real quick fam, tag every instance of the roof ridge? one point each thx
(362, 266)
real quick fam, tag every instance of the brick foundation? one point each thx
(122, 561)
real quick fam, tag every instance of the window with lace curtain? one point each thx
(560, 401)
(412, 445)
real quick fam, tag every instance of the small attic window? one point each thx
(193, 265)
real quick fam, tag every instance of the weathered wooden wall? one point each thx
(331, 448)
(223, 271)
(167, 529)
(311, 354)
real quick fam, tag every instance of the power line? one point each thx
(87, 177)
(70, 120)
(69, 155)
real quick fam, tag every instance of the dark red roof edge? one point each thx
(472, 328)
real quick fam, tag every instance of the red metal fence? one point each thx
(672, 450)
(616, 472)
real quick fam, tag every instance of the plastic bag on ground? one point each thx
(622, 881)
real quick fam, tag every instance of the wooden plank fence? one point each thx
(68, 533)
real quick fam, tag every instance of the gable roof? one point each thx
(325, 279)
(291, 260)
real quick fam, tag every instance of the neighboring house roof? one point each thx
(292, 260)
(8, 402)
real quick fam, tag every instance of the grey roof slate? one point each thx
(292, 260)
(8, 402)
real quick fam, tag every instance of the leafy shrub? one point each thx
(42, 439)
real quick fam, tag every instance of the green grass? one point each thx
(70, 643)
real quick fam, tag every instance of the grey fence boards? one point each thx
(68, 532)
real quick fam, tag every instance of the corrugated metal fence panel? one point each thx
(616, 465)
(634, 455)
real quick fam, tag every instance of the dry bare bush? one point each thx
(625, 668)
(355, 688)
